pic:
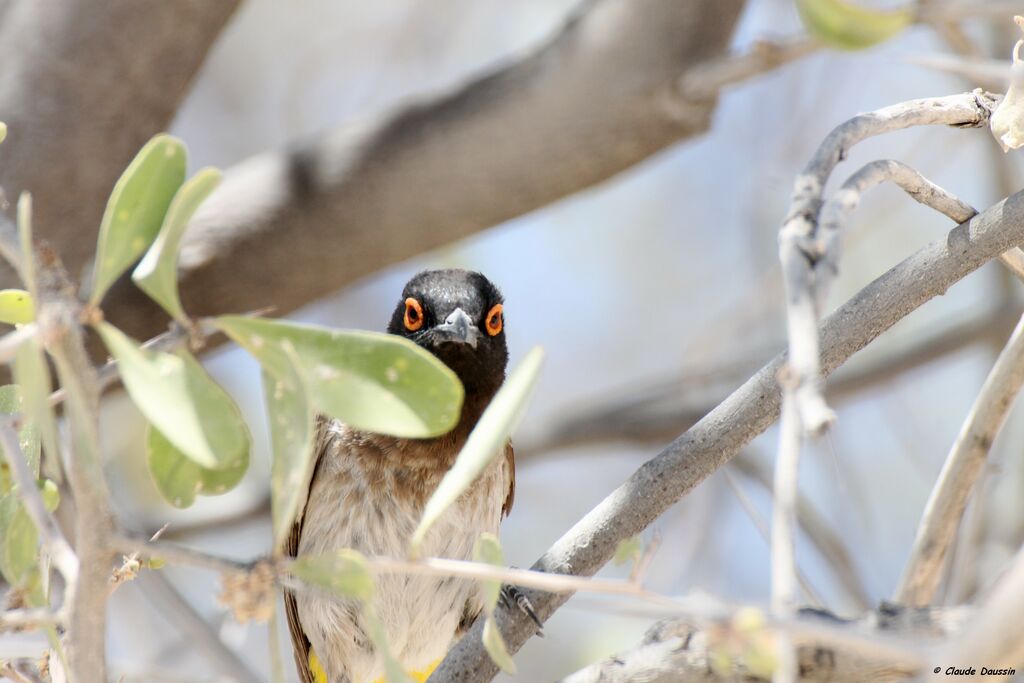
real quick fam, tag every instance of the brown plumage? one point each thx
(368, 492)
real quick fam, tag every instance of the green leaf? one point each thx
(50, 494)
(179, 479)
(28, 438)
(3, 131)
(628, 550)
(488, 549)
(177, 396)
(380, 383)
(136, 209)
(19, 540)
(32, 374)
(292, 430)
(345, 573)
(847, 26)
(157, 273)
(485, 442)
(16, 307)
(495, 646)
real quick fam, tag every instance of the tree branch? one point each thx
(290, 226)
(84, 85)
(960, 472)
(677, 649)
(807, 263)
(747, 412)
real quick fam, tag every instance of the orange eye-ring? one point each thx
(413, 314)
(494, 320)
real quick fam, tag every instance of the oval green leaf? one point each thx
(181, 400)
(16, 307)
(487, 549)
(292, 425)
(179, 479)
(847, 26)
(157, 273)
(11, 403)
(344, 573)
(136, 209)
(485, 442)
(495, 646)
(19, 540)
(32, 375)
(380, 383)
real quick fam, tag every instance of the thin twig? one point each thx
(761, 524)
(959, 473)
(708, 78)
(841, 205)
(830, 546)
(8, 671)
(199, 633)
(784, 495)
(17, 619)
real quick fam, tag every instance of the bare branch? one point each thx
(290, 226)
(837, 211)
(60, 329)
(948, 500)
(802, 251)
(747, 412)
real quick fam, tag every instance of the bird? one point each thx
(368, 492)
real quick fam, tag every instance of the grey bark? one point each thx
(290, 226)
(84, 84)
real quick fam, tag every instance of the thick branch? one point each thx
(84, 85)
(746, 413)
(291, 226)
(678, 650)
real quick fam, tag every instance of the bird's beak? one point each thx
(457, 328)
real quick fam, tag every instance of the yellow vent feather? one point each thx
(320, 676)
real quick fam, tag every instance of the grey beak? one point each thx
(457, 327)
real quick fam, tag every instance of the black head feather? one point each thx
(455, 305)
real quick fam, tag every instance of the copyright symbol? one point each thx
(936, 670)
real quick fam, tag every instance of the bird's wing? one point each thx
(300, 643)
(510, 458)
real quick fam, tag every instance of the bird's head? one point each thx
(458, 316)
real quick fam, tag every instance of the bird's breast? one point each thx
(368, 493)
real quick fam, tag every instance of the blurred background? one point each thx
(683, 249)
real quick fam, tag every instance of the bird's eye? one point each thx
(494, 320)
(413, 314)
